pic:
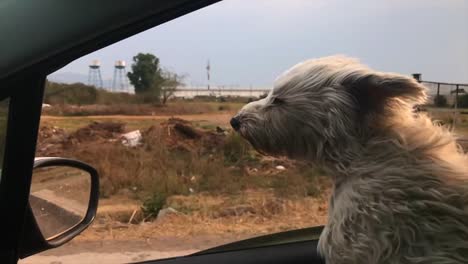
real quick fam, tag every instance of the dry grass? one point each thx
(218, 185)
(172, 108)
(72, 123)
(447, 116)
(250, 213)
(172, 164)
(224, 189)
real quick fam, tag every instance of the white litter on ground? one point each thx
(279, 167)
(132, 139)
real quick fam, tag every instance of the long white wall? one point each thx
(192, 92)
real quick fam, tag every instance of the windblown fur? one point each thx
(400, 182)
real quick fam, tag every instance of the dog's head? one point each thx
(322, 105)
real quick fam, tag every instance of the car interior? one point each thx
(55, 202)
(43, 36)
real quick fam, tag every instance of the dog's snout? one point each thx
(235, 123)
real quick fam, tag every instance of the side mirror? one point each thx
(63, 202)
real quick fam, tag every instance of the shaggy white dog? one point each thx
(400, 190)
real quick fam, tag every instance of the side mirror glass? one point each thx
(59, 198)
(63, 202)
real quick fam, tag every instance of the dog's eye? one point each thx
(277, 101)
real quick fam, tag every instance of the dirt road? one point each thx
(134, 122)
(117, 251)
(220, 118)
(104, 258)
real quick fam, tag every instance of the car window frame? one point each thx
(22, 127)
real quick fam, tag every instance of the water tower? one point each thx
(94, 74)
(120, 81)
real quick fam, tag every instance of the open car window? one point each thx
(153, 115)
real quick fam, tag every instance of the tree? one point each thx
(146, 74)
(169, 85)
(440, 101)
(463, 101)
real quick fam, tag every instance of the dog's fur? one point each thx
(400, 190)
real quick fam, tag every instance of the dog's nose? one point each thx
(235, 123)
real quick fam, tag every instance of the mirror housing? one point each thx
(33, 240)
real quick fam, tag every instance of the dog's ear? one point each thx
(375, 90)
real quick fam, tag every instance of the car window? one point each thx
(153, 114)
(3, 129)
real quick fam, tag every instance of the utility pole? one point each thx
(208, 68)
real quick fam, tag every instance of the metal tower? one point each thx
(120, 80)
(94, 74)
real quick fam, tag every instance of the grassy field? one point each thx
(70, 124)
(215, 181)
(157, 169)
(447, 116)
(179, 107)
(216, 161)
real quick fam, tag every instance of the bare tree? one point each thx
(170, 84)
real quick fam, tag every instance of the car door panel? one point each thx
(291, 253)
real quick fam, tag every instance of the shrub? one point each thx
(81, 94)
(236, 148)
(440, 101)
(153, 204)
(76, 93)
(463, 101)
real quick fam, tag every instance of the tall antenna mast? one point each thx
(208, 68)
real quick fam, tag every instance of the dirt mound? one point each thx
(97, 131)
(53, 141)
(187, 131)
(49, 141)
(175, 134)
(179, 134)
(51, 133)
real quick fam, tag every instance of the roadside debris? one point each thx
(166, 212)
(175, 133)
(97, 131)
(50, 140)
(280, 167)
(131, 139)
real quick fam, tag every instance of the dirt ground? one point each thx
(119, 228)
(202, 220)
(112, 241)
(135, 122)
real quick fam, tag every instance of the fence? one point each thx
(451, 91)
(220, 91)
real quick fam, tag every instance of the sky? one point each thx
(249, 43)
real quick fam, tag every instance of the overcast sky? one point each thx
(250, 42)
